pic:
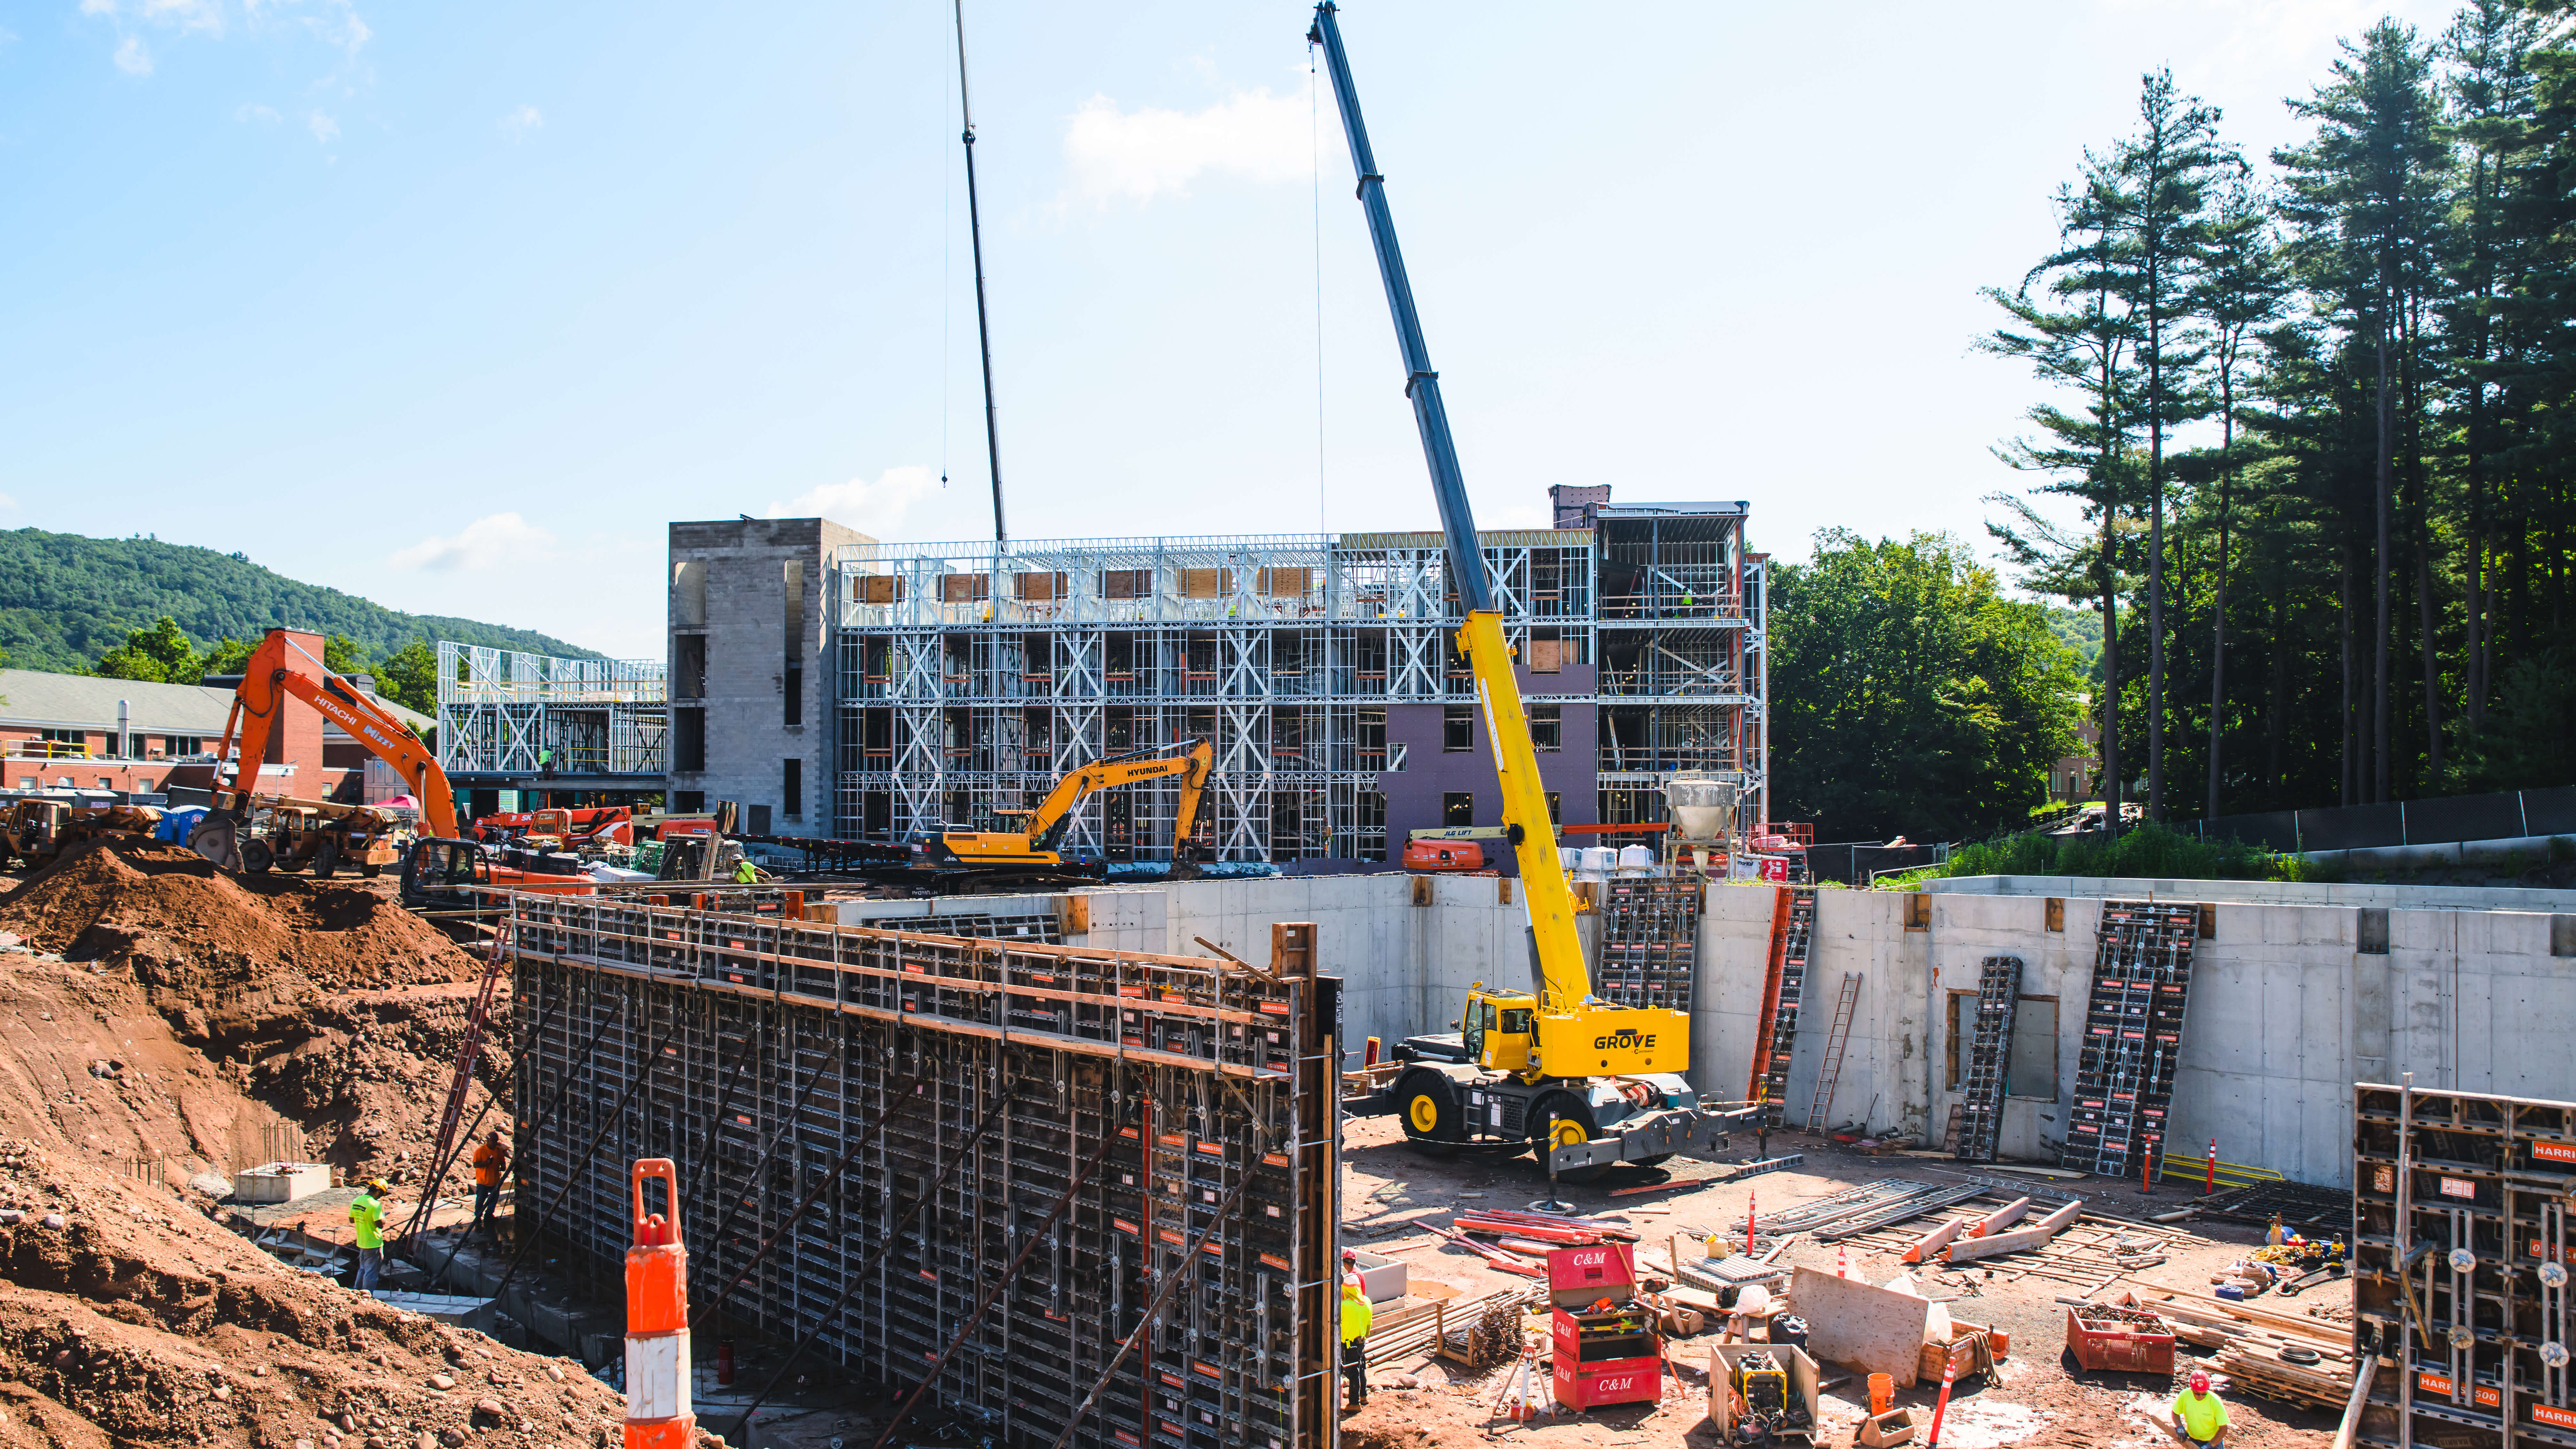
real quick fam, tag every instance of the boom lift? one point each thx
(1588, 1083)
(1033, 846)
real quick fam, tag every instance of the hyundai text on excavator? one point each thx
(1034, 845)
(435, 869)
(1588, 1083)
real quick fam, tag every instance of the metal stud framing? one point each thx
(974, 1076)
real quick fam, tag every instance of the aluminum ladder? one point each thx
(1836, 1041)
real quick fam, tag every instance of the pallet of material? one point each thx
(2257, 1368)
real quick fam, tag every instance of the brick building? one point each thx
(74, 732)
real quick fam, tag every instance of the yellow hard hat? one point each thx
(378, 1184)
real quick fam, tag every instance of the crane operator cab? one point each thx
(1497, 1029)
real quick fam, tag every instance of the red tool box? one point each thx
(1603, 1355)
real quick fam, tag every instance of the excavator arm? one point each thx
(1193, 764)
(275, 672)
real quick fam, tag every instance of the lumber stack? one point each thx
(2251, 1344)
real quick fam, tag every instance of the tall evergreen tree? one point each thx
(2152, 198)
(2078, 333)
(2363, 199)
(2239, 293)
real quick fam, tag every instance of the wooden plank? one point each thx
(1864, 1328)
(1937, 1239)
(2019, 1238)
(2002, 1217)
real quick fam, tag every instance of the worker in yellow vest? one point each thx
(2200, 1417)
(1356, 1317)
(367, 1216)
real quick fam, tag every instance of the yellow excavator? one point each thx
(1033, 845)
(1585, 1082)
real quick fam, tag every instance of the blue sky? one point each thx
(456, 306)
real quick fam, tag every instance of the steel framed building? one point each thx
(968, 676)
(508, 719)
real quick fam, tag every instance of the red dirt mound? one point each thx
(219, 942)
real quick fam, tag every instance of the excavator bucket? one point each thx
(217, 839)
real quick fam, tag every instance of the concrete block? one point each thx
(281, 1182)
(474, 1313)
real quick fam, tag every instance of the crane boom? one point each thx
(1564, 983)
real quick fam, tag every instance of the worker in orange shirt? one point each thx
(490, 1161)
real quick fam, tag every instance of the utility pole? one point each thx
(983, 328)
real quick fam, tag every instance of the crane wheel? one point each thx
(1429, 1107)
(256, 857)
(326, 860)
(1572, 1124)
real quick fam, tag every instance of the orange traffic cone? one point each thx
(657, 1321)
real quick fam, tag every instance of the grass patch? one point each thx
(2144, 850)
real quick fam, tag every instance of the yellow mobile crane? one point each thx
(1033, 845)
(1590, 1083)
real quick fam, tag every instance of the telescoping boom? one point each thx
(1602, 1083)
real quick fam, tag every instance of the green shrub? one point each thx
(2145, 850)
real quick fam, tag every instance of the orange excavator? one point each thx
(438, 864)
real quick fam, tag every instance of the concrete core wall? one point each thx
(2296, 993)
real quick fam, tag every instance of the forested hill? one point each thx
(65, 599)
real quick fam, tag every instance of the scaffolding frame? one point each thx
(510, 712)
(973, 1076)
(969, 675)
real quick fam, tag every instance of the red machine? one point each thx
(593, 825)
(1607, 1351)
(1454, 857)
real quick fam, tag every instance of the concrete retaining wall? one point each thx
(2299, 991)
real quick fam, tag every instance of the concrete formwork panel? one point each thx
(1068, 1188)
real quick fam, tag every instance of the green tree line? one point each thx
(66, 599)
(2310, 454)
(164, 654)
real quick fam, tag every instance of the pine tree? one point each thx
(2152, 198)
(2081, 335)
(2363, 198)
(2240, 292)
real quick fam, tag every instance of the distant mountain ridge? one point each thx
(66, 599)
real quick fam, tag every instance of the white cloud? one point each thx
(324, 128)
(132, 58)
(7, 502)
(205, 15)
(1138, 155)
(486, 544)
(98, 7)
(518, 123)
(254, 112)
(874, 508)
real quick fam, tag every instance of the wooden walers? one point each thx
(1649, 941)
(1981, 1089)
(2132, 1035)
(2460, 1215)
(1793, 928)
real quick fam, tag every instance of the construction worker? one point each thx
(367, 1215)
(1351, 1269)
(1356, 1317)
(744, 873)
(2199, 1416)
(490, 1161)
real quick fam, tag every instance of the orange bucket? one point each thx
(1882, 1394)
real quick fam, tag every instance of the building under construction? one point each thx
(944, 680)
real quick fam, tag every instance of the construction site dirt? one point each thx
(1393, 1197)
(128, 1316)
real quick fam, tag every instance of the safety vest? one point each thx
(369, 1215)
(1356, 1317)
(2202, 1415)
